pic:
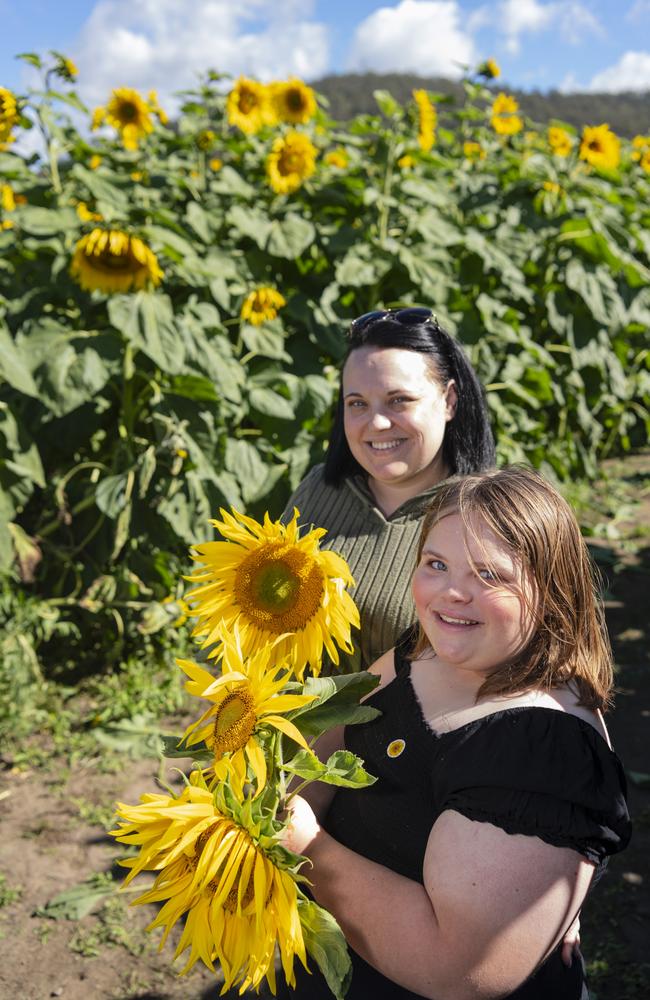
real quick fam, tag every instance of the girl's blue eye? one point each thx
(437, 564)
(487, 574)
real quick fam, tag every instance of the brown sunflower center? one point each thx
(295, 99)
(128, 112)
(247, 101)
(290, 163)
(235, 722)
(279, 587)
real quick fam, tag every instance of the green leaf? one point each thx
(198, 220)
(46, 221)
(386, 103)
(326, 944)
(267, 340)
(289, 237)
(77, 902)
(147, 321)
(171, 746)
(343, 769)
(271, 403)
(250, 222)
(336, 702)
(112, 494)
(12, 367)
(138, 736)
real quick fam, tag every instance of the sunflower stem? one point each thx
(54, 166)
(388, 179)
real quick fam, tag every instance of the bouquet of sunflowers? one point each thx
(268, 603)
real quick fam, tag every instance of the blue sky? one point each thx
(163, 44)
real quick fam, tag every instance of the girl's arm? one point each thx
(492, 906)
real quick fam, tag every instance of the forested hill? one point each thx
(628, 113)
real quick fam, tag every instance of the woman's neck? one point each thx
(390, 496)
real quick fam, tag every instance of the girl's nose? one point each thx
(457, 591)
(380, 421)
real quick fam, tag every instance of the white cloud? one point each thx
(166, 45)
(570, 18)
(416, 36)
(631, 72)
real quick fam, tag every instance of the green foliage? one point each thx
(127, 420)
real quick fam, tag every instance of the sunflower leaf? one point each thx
(325, 943)
(343, 768)
(173, 746)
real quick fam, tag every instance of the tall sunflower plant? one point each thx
(269, 602)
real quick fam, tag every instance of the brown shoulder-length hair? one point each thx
(569, 641)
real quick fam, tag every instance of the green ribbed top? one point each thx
(379, 550)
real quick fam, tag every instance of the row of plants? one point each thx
(174, 291)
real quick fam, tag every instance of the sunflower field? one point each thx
(174, 291)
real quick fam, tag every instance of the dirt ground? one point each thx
(53, 837)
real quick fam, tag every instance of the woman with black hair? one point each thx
(411, 412)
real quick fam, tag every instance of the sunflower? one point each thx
(246, 699)
(473, 151)
(490, 69)
(127, 112)
(337, 158)
(249, 106)
(154, 107)
(293, 102)
(8, 116)
(644, 161)
(427, 118)
(503, 116)
(600, 147)
(215, 164)
(109, 260)
(291, 161)
(641, 151)
(262, 305)
(86, 215)
(406, 162)
(95, 161)
(238, 904)
(7, 198)
(66, 68)
(559, 140)
(277, 588)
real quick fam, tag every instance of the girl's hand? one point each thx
(571, 943)
(303, 826)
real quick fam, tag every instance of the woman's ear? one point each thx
(451, 399)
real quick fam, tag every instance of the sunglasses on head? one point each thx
(408, 316)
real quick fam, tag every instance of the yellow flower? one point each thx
(291, 161)
(273, 585)
(128, 113)
(473, 151)
(427, 119)
(246, 699)
(86, 215)
(262, 305)
(8, 116)
(644, 162)
(109, 260)
(136, 175)
(600, 147)
(640, 143)
(7, 224)
(337, 158)
(293, 101)
(94, 161)
(155, 108)
(249, 106)
(552, 187)
(205, 139)
(406, 162)
(7, 198)
(215, 163)
(178, 602)
(504, 117)
(237, 903)
(489, 69)
(559, 140)
(66, 68)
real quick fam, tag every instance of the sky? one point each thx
(569, 45)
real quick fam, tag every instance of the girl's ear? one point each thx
(451, 399)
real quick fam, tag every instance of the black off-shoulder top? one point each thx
(529, 770)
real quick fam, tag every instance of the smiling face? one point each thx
(395, 415)
(472, 596)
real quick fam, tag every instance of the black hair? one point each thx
(468, 444)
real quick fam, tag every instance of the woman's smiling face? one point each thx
(472, 596)
(395, 416)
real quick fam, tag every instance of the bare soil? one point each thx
(53, 837)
